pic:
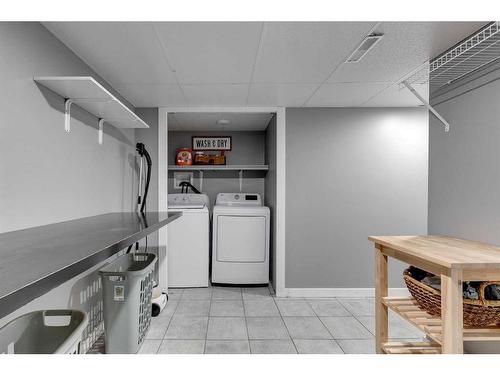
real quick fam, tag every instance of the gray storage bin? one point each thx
(44, 332)
(127, 285)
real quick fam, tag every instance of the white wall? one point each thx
(351, 173)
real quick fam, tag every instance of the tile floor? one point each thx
(250, 320)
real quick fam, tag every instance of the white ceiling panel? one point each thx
(395, 96)
(216, 95)
(344, 94)
(150, 95)
(305, 52)
(404, 47)
(121, 52)
(291, 95)
(208, 121)
(211, 52)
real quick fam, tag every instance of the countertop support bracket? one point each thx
(201, 180)
(67, 114)
(427, 105)
(240, 174)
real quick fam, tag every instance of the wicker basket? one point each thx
(477, 313)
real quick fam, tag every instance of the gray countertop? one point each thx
(36, 260)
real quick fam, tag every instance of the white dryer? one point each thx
(240, 239)
(188, 241)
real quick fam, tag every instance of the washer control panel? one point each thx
(238, 199)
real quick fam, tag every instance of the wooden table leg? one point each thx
(381, 313)
(452, 313)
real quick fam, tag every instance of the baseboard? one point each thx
(338, 292)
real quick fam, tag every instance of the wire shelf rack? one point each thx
(472, 54)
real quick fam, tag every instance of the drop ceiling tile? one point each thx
(286, 95)
(395, 96)
(211, 52)
(305, 52)
(208, 121)
(403, 48)
(216, 95)
(344, 94)
(150, 95)
(120, 52)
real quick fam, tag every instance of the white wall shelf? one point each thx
(249, 167)
(91, 96)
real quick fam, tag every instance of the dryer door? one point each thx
(241, 239)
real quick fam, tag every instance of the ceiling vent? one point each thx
(366, 45)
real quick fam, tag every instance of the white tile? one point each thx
(211, 52)
(175, 293)
(227, 347)
(203, 294)
(158, 327)
(344, 94)
(294, 307)
(225, 328)
(187, 327)
(359, 306)
(398, 327)
(317, 347)
(152, 95)
(272, 347)
(120, 52)
(305, 52)
(357, 346)
(327, 307)
(289, 95)
(227, 308)
(266, 328)
(182, 347)
(306, 327)
(226, 293)
(193, 308)
(256, 293)
(261, 307)
(170, 308)
(216, 94)
(346, 328)
(149, 347)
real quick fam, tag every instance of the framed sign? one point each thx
(211, 143)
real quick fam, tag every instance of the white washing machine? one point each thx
(240, 239)
(188, 241)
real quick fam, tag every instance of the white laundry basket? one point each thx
(44, 332)
(127, 286)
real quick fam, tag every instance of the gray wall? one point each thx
(48, 175)
(351, 173)
(248, 148)
(150, 139)
(270, 191)
(464, 171)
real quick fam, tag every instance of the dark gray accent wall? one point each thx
(270, 192)
(464, 168)
(351, 173)
(248, 148)
(46, 174)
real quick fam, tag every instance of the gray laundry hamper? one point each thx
(127, 286)
(44, 332)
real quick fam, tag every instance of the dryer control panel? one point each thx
(238, 199)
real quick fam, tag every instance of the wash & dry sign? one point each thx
(211, 143)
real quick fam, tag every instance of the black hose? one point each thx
(141, 149)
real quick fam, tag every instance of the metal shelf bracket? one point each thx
(67, 114)
(427, 105)
(240, 175)
(101, 131)
(201, 180)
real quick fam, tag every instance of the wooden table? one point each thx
(455, 260)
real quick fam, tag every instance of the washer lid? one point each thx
(238, 199)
